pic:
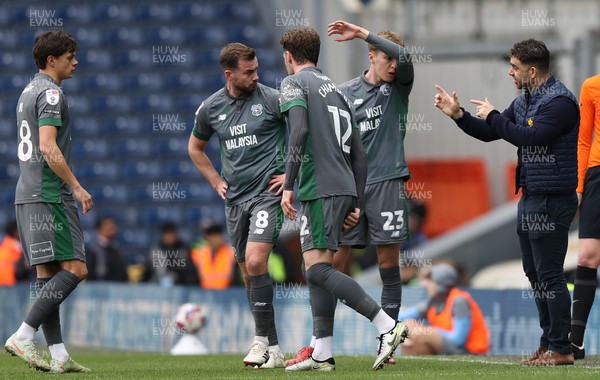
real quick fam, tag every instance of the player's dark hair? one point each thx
(388, 35)
(232, 53)
(53, 43)
(532, 52)
(303, 43)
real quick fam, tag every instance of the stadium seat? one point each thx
(115, 103)
(97, 171)
(8, 147)
(153, 12)
(123, 36)
(154, 215)
(90, 148)
(181, 169)
(441, 184)
(102, 82)
(107, 12)
(115, 193)
(79, 105)
(134, 58)
(124, 214)
(196, 12)
(88, 37)
(132, 147)
(172, 36)
(15, 59)
(85, 127)
(154, 102)
(8, 195)
(8, 38)
(247, 34)
(126, 126)
(171, 146)
(134, 237)
(10, 170)
(145, 81)
(144, 191)
(13, 83)
(80, 13)
(138, 170)
(207, 35)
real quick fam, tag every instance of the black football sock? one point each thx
(583, 299)
(51, 326)
(261, 303)
(49, 298)
(391, 295)
(343, 288)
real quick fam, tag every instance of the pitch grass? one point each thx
(124, 365)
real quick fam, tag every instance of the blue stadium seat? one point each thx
(199, 191)
(96, 59)
(184, 81)
(131, 148)
(8, 148)
(153, 215)
(115, 103)
(8, 195)
(244, 11)
(13, 83)
(103, 12)
(8, 38)
(97, 171)
(126, 125)
(198, 12)
(123, 36)
(208, 57)
(79, 14)
(153, 102)
(144, 191)
(85, 127)
(102, 82)
(154, 12)
(135, 237)
(140, 170)
(88, 37)
(10, 171)
(145, 81)
(134, 58)
(78, 104)
(182, 169)
(171, 146)
(188, 105)
(161, 35)
(90, 148)
(247, 34)
(27, 36)
(116, 193)
(8, 130)
(15, 59)
(207, 35)
(19, 14)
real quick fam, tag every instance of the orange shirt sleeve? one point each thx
(586, 128)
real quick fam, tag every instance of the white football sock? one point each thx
(323, 349)
(263, 339)
(59, 352)
(25, 332)
(313, 341)
(383, 322)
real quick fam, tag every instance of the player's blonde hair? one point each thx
(388, 35)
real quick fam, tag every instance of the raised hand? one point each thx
(346, 30)
(449, 105)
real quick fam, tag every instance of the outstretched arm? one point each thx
(450, 106)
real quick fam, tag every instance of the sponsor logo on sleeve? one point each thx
(52, 97)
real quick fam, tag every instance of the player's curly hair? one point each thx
(532, 52)
(232, 53)
(388, 35)
(53, 43)
(303, 43)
